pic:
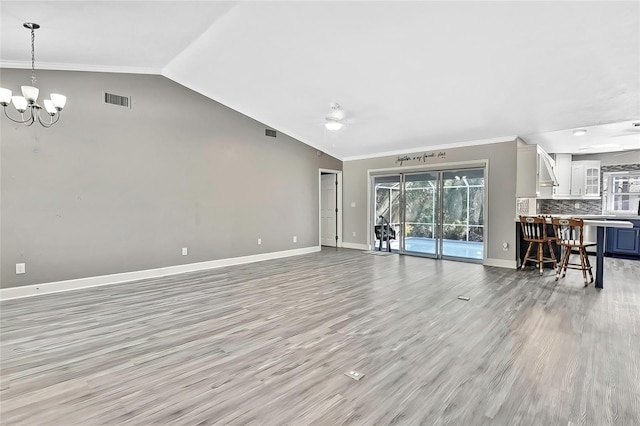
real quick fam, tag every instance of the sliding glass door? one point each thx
(437, 213)
(463, 214)
(386, 190)
(420, 213)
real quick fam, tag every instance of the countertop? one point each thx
(591, 216)
(598, 219)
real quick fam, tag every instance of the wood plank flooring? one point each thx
(269, 343)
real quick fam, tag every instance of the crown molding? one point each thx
(50, 66)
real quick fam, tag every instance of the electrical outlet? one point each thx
(353, 204)
(259, 241)
(354, 233)
(576, 205)
(185, 251)
(20, 268)
(295, 239)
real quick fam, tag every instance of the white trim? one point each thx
(82, 67)
(431, 148)
(338, 174)
(500, 263)
(355, 246)
(485, 214)
(59, 286)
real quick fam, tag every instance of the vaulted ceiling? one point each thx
(410, 75)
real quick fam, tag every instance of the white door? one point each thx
(328, 210)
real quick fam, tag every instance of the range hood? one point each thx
(546, 169)
(535, 172)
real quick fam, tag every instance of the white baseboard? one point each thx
(500, 263)
(355, 246)
(67, 285)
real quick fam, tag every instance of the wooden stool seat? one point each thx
(534, 230)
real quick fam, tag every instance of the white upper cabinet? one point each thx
(534, 172)
(585, 179)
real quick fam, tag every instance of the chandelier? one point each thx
(27, 101)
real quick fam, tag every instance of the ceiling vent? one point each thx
(270, 132)
(123, 101)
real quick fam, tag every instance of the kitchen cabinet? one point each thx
(624, 241)
(534, 172)
(585, 179)
(563, 173)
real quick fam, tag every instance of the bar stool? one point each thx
(570, 236)
(534, 230)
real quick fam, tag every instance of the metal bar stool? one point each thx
(570, 236)
(534, 230)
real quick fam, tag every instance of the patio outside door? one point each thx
(437, 213)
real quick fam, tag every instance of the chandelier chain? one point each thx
(33, 56)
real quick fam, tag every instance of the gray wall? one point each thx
(501, 189)
(110, 189)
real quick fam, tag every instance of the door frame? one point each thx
(480, 163)
(338, 174)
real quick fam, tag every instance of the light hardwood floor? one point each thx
(268, 343)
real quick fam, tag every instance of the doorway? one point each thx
(438, 213)
(330, 208)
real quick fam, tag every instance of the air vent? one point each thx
(270, 132)
(123, 101)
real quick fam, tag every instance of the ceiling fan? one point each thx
(336, 118)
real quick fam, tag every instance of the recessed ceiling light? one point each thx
(579, 132)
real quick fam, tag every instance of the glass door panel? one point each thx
(463, 214)
(387, 208)
(420, 213)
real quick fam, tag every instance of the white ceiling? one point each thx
(410, 75)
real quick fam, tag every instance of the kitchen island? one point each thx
(601, 223)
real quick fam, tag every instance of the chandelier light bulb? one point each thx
(58, 100)
(5, 97)
(20, 103)
(30, 93)
(49, 107)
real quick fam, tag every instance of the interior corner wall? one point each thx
(501, 191)
(111, 189)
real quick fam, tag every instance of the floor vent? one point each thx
(270, 132)
(123, 101)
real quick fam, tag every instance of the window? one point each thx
(622, 192)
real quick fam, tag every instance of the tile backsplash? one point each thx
(569, 206)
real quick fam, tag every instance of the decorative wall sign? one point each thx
(424, 158)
